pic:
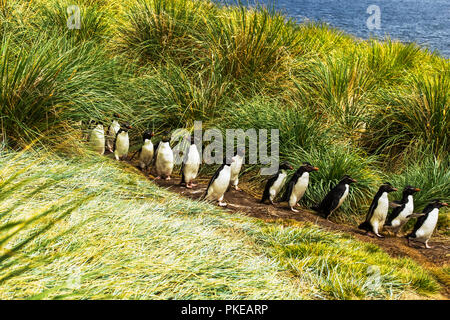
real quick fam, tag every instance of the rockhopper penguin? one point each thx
(97, 138)
(190, 165)
(297, 185)
(426, 223)
(219, 183)
(236, 167)
(334, 199)
(164, 159)
(146, 151)
(122, 143)
(113, 128)
(405, 207)
(378, 210)
(276, 183)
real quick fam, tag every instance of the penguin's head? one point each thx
(166, 136)
(240, 151)
(387, 187)
(410, 190)
(148, 135)
(308, 167)
(347, 180)
(436, 203)
(286, 166)
(116, 116)
(228, 160)
(125, 127)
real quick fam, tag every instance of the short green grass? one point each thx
(129, 239)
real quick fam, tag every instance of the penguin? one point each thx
(405, 207)
(164, 159)
(276, 183)
(122, 142)
(236, 167)
(334, 199)
(297, 185)
(113, 128)
(146, 151)
(219, 183)
(97, 138)
(426, 223)
(378, 210)
(190, 165)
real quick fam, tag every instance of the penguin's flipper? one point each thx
(288, 191)
(394, 214)
(415, 215)
(155, 152)
(395, 204)
(115, 140)
(269, 184)
(372, 208)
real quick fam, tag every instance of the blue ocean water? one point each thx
(426, 22)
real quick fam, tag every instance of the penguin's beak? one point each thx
(394, 189)
(416, 189)
(291, 168)
(315, 168)
(445, 204)
(354, 181)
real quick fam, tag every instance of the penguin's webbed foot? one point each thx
(167, 178)
(294, 210)
(158, 177)
(222, 204)
(379, 235)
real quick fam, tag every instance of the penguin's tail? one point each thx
(365, 226)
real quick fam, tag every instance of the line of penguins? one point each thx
(161, 157)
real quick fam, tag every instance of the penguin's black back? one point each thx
(290, 186)
(269, 184)
(366, 225)
(331, 200)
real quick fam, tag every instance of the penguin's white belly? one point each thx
(112, 131)
(380, 212)
(277, 185)
(164, 160)
(97, 140)
(299, 189)
(344, 196)
(236, 168)
(146, 155)
(220, 184)
(122, 145)
(401, 219)
(190, 169)
(427, 228)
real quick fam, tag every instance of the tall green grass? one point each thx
(351, 106)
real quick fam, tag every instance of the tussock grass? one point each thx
(150, 244)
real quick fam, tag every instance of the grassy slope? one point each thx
(132, 239)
